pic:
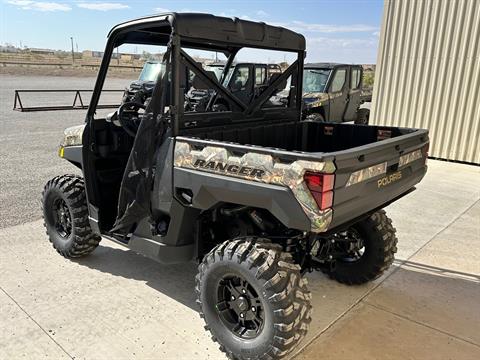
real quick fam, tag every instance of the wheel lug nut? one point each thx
(253, 309)
(242, 315)
(233, 298)
(244, 291)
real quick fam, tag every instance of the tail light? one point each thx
(321, 188)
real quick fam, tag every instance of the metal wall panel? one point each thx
(428, 73)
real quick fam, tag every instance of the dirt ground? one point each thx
(66, 71)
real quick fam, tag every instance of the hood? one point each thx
(314, 99)
(145, 85)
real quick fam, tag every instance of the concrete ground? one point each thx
(116, 304)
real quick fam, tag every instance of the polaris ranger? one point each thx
(334, 93)
(254, 194)
(245, 80)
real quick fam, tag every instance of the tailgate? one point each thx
(371, 176)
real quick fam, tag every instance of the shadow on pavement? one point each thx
(176, 280)
(440, 298)
(419, 312)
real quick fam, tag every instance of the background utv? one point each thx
(255, 194)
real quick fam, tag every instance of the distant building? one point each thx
(41, 51)
(7, 48)
(92, 54)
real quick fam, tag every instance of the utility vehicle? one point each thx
(244, 80)
(254, 194)
(334, 92)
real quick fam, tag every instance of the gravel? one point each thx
(29, 142)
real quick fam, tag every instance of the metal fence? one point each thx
(77, 102)
(428, 73)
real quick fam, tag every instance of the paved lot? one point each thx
(118, 305)
(29, 141)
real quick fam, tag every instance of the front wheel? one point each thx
(368, 249)
(253, 299)
(65, 217)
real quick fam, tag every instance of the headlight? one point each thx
(72, 136)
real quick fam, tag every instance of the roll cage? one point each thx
(207, 32)
(104, 159)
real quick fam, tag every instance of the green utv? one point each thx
(334, 93)
(256, 195)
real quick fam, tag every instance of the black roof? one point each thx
(217, 32)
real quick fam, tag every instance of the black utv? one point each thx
(245, 80)
(254, 194)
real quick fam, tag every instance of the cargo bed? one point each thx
(374, 165)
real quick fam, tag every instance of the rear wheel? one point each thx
(368, 248)
(363, 115)
(65, 217)
(253, 299)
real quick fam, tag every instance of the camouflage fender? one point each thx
(72, 136)
(260, 168)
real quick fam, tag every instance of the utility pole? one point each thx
(73, 53)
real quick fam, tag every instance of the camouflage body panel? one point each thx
(315, 99)
(72, 136)
(260, 168)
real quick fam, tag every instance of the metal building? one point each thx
(428, 73)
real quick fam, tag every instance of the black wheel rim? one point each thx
(239, 307)
(62, 219)
(353, 246)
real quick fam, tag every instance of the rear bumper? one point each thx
(353, 201)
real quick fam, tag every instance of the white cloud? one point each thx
(324, 28)
(342, 42)
(161, 10)
(348, 50)
(39, 5)
(262, 13)
(103, 6)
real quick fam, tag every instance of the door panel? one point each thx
(241, 83)
(354, 92)
(338, 92)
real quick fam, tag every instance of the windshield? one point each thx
(226, 81)
(217, 70)
(315, 80)
(150, 71)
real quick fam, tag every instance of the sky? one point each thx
(336, 30)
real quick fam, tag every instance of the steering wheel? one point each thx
(130, 124)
